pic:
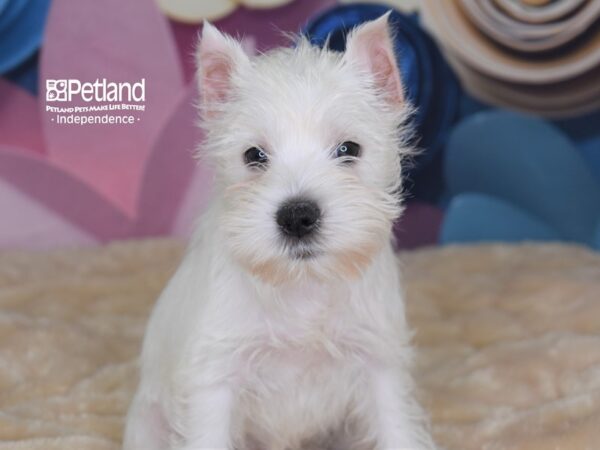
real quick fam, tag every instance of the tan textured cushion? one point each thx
(508, 336)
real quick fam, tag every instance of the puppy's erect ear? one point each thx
(219, 57)
(370, 47)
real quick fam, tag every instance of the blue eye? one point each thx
(255, 157)
(347, 149)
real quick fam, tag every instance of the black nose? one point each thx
(298, 217)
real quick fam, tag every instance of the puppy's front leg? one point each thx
(209, 418)
(397, 416)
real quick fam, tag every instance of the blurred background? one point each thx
(507, 95)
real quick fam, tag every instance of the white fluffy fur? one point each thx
(249, 347)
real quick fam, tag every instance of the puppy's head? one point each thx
(307, 149)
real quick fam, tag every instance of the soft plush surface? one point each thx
(508, 337)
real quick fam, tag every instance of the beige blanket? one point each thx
(508, 338)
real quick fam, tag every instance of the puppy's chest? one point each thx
(307, 337)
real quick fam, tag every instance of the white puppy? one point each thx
(284, 326)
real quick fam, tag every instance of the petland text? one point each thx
(100, 90)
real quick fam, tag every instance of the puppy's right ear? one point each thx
(219, 58)
(370, 47)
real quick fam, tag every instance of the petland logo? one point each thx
(99, 91)
(100, 96)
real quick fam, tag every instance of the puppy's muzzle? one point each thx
(298, 218)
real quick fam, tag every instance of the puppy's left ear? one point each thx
(370, 48)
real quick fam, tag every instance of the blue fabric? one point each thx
(473, 217)
(10, 13)
(528, 163)
(21, 30)
(3, 5)
(590, 151)
(596, 242)
(27, 74)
